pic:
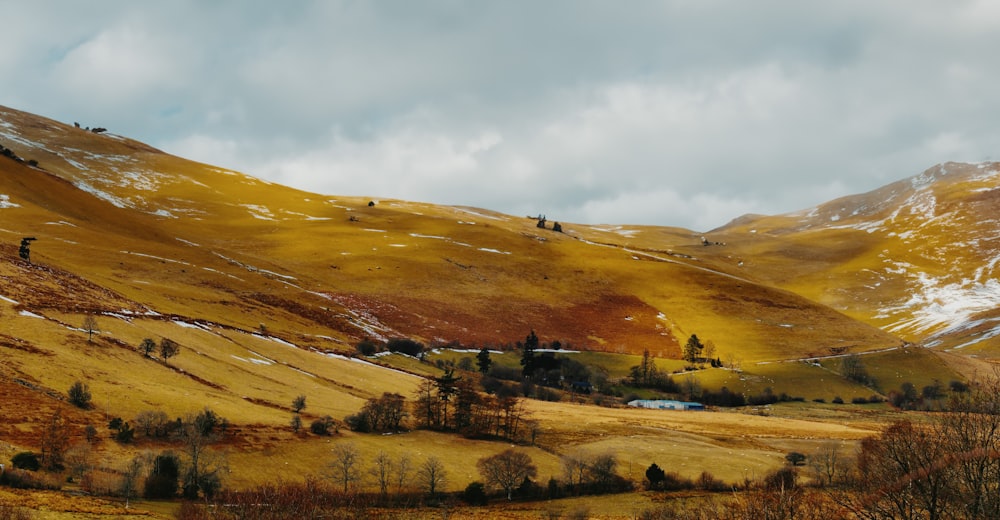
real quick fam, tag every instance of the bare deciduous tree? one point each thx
(575, 468)
(507, 470)
(403, 468)
(54, 441)
(431, 475)
(345, 465)
(829, 464)
(168, 349)
(204, 468)
(90, 327)
(381, 470)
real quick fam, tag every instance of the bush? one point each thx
(674, 482)
(405, 346)
(358, 423)
(837, 400)
(22, 479)
(322, 426)
(367, 347)
(162, 482)
(475, 494)
(125, 434)
(782, 479)
(795, 458)
(706, 481)
(26, 460)
(79, 395)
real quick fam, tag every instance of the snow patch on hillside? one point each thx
(259, 212)
(5, 202)
(101, 194)
(8, 133)
(934, 302)
(476, 213)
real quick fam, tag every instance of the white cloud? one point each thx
(671, 113)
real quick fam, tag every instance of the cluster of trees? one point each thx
(646, 375)
(96, 129)
(347, 471)
(931, 397)
(944, 467)
(196, 470)
(324, 425)
(167, 347)
(451, 403)
(380, 414)
(853, 369)
(401, 482)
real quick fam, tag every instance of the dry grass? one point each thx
(319, 273)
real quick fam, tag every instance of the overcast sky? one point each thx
(676, 113)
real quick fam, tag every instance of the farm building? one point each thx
(666, 404)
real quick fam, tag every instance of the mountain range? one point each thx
(143, 232)
(268, 289)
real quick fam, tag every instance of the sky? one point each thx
(683, 113)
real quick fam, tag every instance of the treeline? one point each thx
(190, 468)
(944, 466)
(509, 475)
(448, 403)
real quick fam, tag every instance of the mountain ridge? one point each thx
(132, 176)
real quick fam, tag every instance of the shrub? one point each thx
(708, 482)
(837, 400)
(674, 482)
(26, 460)
(22, 479)
(79, 395)
(358, 423)
(405, 346)
(475, 494)
(125, 434)
(322, 426)
(781, 479)
(162, 481)
(207, 420)
(795, 458)
(367, 347)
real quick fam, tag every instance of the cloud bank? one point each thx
(671, 113)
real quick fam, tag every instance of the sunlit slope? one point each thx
(917, 258)
(183, 238)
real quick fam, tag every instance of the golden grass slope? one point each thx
(266, 288)
(916, 258)
(193, 240)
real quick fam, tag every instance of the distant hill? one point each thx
(267, 290)
(226, 247)
(917, 258)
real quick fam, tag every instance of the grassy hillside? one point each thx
(267, 290)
